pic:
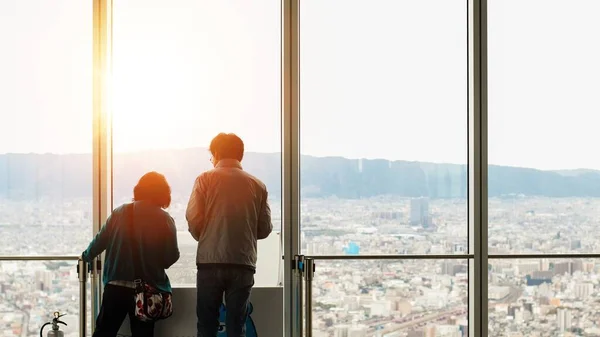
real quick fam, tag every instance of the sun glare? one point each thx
(175, 83)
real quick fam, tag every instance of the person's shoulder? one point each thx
(163, 212)
(167, 215)
(256, 181)
(157, 214)
(118, 213)
(202, 177)
(121, 209)
(168, 219)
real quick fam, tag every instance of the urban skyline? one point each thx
(377, 79)
(367, 298)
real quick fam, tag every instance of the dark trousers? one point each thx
(117, 302)
(236, 283)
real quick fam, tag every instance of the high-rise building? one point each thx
(577, 266)
(563, 318)
(453, 267)
(568, 267)
(583, 290)
(527, 267)
(419, 212)
(341, 331)
(448, 267)
(43, 280)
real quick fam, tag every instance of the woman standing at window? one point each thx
(144, 228)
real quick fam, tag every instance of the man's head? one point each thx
(226, 146)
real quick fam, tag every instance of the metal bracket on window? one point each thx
(298, 264)
(95, 270)
(298, 321)
(304, 270)
(308, 270)
(82, 275)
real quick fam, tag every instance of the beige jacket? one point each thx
(227, 213)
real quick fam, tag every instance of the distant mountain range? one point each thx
(26, 176)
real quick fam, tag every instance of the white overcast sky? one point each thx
(379, 79)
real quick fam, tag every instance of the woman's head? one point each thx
(153, 187)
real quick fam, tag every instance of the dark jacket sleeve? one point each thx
(99, 243)
(171, 252)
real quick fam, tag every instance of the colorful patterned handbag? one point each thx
(151, 304)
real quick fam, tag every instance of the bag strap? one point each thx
(134, 245)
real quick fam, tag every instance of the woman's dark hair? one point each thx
(153, 187)
(227, 146)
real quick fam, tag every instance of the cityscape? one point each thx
(385, 104)
(541, 297)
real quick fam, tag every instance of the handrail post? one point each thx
(298, 272)
(309, 273)
(94, 290)
(82, 273)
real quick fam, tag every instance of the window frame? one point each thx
(477, 164)
(290, 157)
(101, 153)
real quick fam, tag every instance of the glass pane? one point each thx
(555, 296)
(383, 126)
(390, 298)
(544, 179)
(45, 126)
(185, 70)
(31, 291)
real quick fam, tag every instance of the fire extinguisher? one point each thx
(55, 332)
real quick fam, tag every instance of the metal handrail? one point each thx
(298, 272)
(309, 273)
(305, 268)
(82, 271)
(393, 257)
(455, 256)
(39, 258)
(95, 295)
(545, 256)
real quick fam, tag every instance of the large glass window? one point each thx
(384, 143)
(45, 158)
(46, 127)
(395, 298)
(383, 108)
(383, 135)
(185, 70)
(556, 296)
(544, 181)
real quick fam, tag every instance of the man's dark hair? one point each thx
(153, 187)
(227, 146)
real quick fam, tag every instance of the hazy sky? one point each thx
(379, 79)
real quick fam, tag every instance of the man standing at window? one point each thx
(227, 213)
